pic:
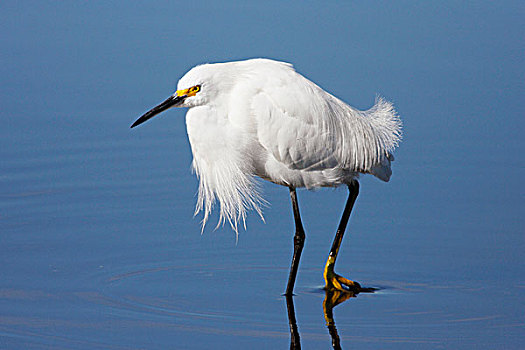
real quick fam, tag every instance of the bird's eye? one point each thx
(196, 88)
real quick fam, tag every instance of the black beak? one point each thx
(172, 101)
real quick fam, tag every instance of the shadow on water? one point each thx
(331, 300)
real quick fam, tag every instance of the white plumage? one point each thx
(260, 118)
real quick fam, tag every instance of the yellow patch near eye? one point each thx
(189, 92)
(182, 92)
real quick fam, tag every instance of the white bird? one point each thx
(260, 118)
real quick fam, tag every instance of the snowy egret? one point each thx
(260, 118)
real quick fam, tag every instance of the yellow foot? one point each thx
(337, 282)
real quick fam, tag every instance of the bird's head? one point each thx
(196, 88)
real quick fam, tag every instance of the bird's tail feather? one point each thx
(369, 137)
(388, 130)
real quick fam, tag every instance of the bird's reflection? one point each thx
(331, 300)
(295, 340)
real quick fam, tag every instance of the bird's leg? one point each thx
(333, 280)
(298, 243)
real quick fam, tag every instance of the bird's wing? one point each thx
(305, 128)
(292, 123)
(290, 134)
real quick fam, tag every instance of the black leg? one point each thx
(334, 281)
(298, 243)
(353, 192)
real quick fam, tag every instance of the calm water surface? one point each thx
(98, 245)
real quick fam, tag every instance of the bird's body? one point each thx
(267, 120)
(260, 118)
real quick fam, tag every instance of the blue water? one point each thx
(98, 245)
